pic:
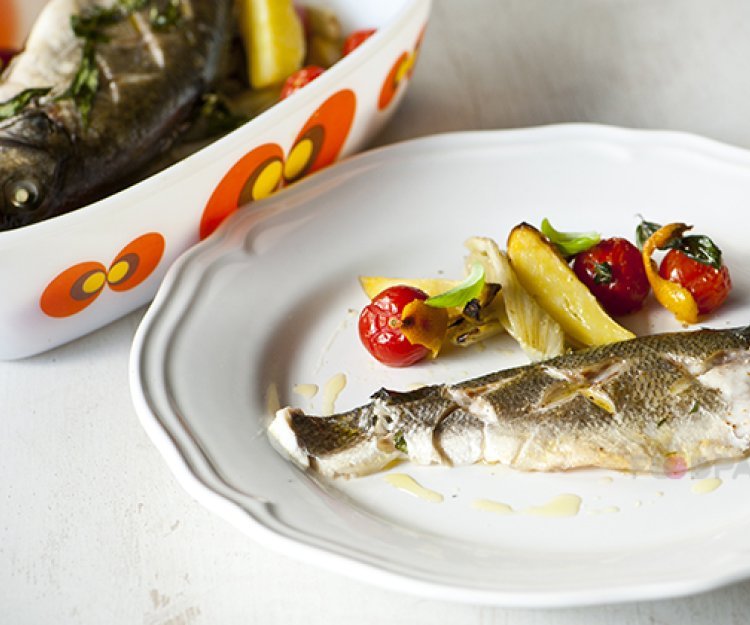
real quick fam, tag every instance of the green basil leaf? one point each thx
(460, 295)
(570, 243)
(643, 232)
(16, 104)
(701, 249)
(602, 273)
(166, 18)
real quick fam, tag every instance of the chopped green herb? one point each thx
(460, 295)
(16, 104)
(570, 243)
(602, 273)
(85, 83)
(215, 116)
(643, 232)
(399, 442)
(90, 25)
(695, 408)
(662, 422)
(166, 18)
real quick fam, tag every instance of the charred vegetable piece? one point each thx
(536, 331)
(545, 274)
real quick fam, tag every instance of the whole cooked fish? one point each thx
(647, 404)
(102, 101)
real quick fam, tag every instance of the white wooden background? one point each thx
(94, 529)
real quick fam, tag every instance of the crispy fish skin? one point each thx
(149, 83)
(648, 405)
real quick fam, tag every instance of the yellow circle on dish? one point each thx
(298, 159)
(93, 283)
(405, 68)
(267, 180)
(118, 272)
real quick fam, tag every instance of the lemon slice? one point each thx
(274, 40)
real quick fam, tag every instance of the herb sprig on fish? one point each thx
(91, 26)
(16, 104)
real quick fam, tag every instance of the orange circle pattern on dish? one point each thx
(265, 169)
(78, 286)
(401, 71)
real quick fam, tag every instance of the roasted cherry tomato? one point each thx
(380, 327)
(613, 271)
(709, 286)
(299, 79)
(356, 39)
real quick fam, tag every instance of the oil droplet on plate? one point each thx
(703, 487)
(306, 390)
(272, 399)
(331, 392)
(488, 505)
(560, 506)
(606, 480)
(409, 485)
(607, 510)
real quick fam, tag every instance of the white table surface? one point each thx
(93, 527)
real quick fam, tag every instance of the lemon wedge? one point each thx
(373, 285)
(274, 40)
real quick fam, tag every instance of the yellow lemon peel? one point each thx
(424, 325)
(674, 297)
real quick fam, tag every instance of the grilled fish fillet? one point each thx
(647, 404)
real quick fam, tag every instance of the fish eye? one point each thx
(22, 195)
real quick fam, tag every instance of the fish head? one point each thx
(33, 152)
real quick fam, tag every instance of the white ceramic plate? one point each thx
(273, 299)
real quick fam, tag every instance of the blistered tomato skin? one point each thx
(380, 327)
(613, 271)
(299, 79)
(709, 286)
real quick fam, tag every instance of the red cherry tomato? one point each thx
(356, 39)
(380, 327)
(613, 271)
(299, 79)
(708, 286)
